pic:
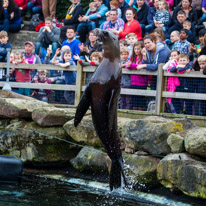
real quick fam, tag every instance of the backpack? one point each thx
(35, 20)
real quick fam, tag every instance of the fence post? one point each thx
(160, 83)
(78, 84)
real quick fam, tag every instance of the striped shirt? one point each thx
(118, 25)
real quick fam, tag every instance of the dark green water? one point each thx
(47, 192)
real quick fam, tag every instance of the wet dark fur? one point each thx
(102, 94)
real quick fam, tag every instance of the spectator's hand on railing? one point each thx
(51, 79)
(128, 64)
(141, 66)
(87, 59)
(34, 80)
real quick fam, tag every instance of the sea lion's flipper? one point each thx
(116, 173)
(82, 108)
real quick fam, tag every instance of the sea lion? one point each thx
(102, 94)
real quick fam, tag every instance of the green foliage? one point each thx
(63, 5)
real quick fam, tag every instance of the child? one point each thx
(126, 79)
(131, 39)
(93, 10)
(114, 5)
(122, 43)
(172, 82)
(137, 81)
(187, 25)
(42, 94)
(201, 86)
(162, 15)
(182, 45)
(4, 45)
(22, 75)
(95, 59)
(70, 76)
(186, 84)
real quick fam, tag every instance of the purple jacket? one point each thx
(139, 80)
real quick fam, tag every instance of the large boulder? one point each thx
(195, 142)
(52, 116)
(179, 171)
(90, 159)
(29, 142)
(19, 108)
(85, 132)
(149, 135)
(140, 170)
(176, 143)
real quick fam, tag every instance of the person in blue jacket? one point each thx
(10, 16)
(153, 54)
(4, 45)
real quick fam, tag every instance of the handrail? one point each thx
(160, 93)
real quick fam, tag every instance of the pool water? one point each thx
(45, 191)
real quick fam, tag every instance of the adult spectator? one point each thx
(30, 57)
(181, 17)
(92, 45)
(71, 41)
(150, 18)
(71, 19)
(123, 6)
(174, 36)
(35, 7)
(142, 12)
(22, 4)
(100, 16)
(49, 8)
(11, 16)
(132, 25)
(48, 35)
(114, 22)
(154, 53)
(188, 9)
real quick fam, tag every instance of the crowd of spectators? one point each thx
(150, 32)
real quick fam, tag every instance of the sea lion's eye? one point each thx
(105, 33)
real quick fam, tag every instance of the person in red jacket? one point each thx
(22, 4)
(132, 25)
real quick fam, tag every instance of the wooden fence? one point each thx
(159, 94)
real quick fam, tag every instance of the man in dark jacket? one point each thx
(142, 11)
(48, 35)
(181, 17)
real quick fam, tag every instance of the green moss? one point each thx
(178, 127)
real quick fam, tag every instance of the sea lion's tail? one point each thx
(116, 174)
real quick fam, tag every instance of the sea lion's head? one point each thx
(111, 44)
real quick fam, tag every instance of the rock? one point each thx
(29, 142)
(10, 94)
(140, 169)
(184, 123)
(90, 159)
(176, 143)
(85, 132)
(51, 116)
(149, 135)
(129, 150)
(19, 108)
(195, 142)
(184, 173)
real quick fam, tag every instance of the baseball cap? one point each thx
(29, 42)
